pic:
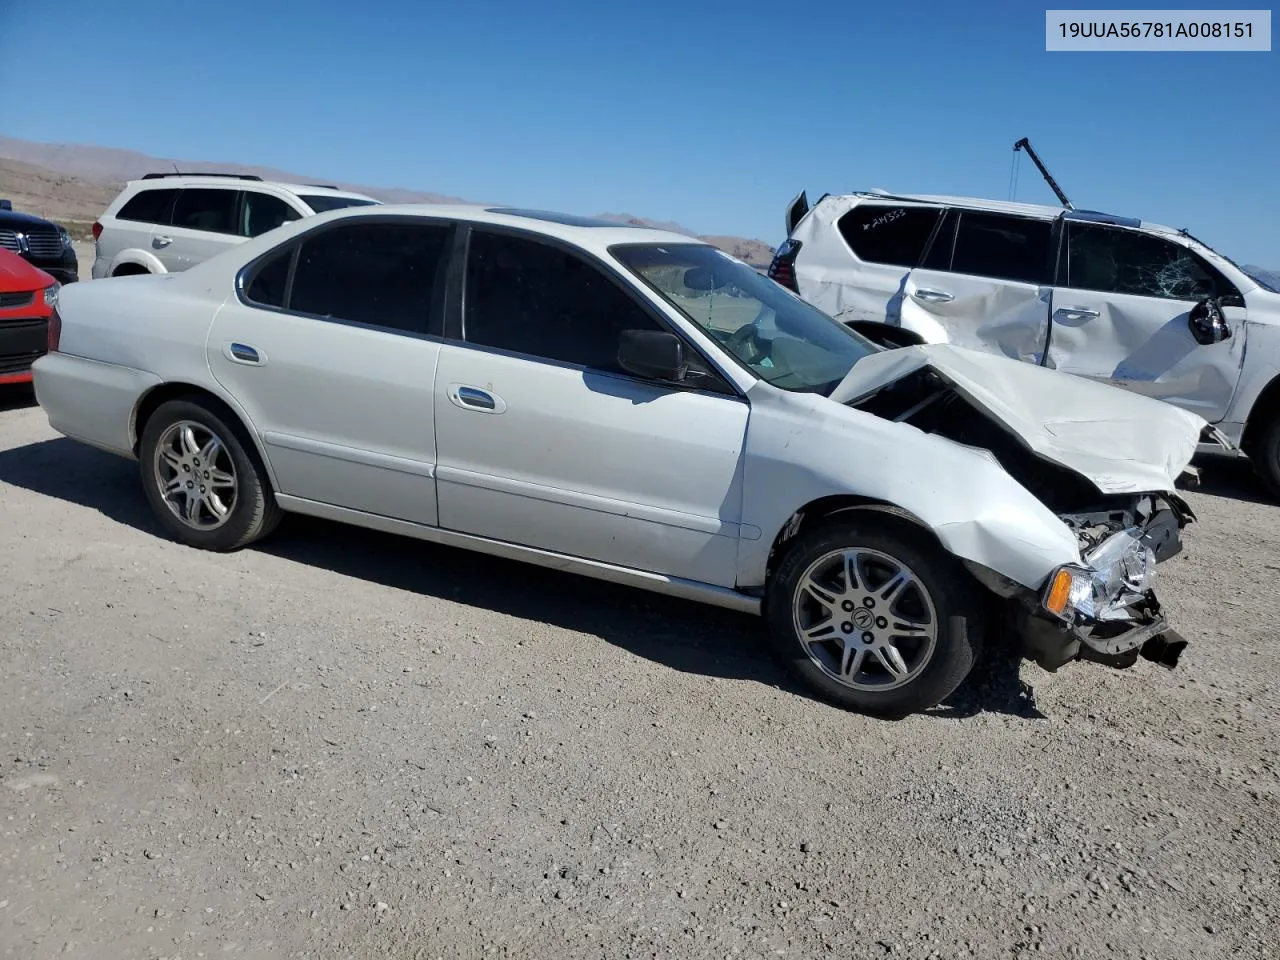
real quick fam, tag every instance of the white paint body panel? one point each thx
(1140, 344)
(611, 474)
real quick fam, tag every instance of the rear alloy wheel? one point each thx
(862, 613)
(202, 483)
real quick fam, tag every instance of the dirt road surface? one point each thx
(342, 744)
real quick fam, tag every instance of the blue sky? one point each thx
(713, 114)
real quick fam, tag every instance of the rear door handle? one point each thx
(243, 353)
(933, 296)
(474, 398)
(1076, 313)
(162, 241)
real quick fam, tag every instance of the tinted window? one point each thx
(206, 208)
(536, 299)
(149, 206)
(1005, 248)
(383, 274)
(1126, 261)
(263, 212)
(268, 285)
(878, 233)
(324, 204)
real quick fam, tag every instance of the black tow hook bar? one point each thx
(1165, 648)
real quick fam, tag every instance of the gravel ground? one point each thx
(344, 744)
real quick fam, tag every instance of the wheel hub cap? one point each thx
(195, 475)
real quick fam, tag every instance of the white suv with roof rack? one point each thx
(1131, 303)
(168, 222)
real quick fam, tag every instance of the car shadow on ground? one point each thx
(1231, 479)
(679, 634)
(16, 396)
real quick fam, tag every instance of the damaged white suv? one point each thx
(1123, 301)
(632, 405)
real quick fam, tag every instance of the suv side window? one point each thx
(380, 273)
(1003, 248)
(536, 299)
(1111, 260)
(263, 212)
(148, 206)
(211, 209)
(895, 235)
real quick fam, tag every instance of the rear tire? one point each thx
(1266, 456)
(883, 644)
(203, 479)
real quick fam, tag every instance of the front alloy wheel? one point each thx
(865, 619)
(862, 611)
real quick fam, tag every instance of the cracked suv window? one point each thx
(1113, 260)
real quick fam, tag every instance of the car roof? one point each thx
(175, 180)
(1037, 210)
(591, 233)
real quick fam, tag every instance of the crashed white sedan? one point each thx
(632, 405)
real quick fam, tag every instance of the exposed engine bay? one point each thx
(1113, 615)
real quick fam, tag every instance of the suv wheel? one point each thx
(861, 612)
(204, 484)
(1266, 456)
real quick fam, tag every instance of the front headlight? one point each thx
(1117, 573)
(51, 295)
(67, 242)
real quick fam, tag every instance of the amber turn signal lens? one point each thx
(1059, 593)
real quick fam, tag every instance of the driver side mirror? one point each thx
(1207, 323)
(652, 354)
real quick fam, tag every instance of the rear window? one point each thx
(148, 206)
(325, 204)
(883, 233)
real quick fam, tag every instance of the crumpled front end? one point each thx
(1105, 608)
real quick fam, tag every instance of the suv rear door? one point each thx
(135, 226)
(1120, 315)
(203, 224)
(985, 283)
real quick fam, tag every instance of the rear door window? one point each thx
(1003, 248)
(384, 274)
(883, 233)
(210, 209)
(148, 206)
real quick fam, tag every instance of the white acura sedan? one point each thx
(634, 405)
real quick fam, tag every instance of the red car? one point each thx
(27, 296)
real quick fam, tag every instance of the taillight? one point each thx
(97, 230)
(783, 267)
(55, 330)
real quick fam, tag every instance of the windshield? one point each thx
(774, 334)
(325, 204)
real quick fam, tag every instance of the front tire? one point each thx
(204, 484)
(861, 611)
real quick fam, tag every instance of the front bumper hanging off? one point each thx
(1104, 609)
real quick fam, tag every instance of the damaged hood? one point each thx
(1120, 441)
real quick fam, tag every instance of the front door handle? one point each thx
(1076, 313)
(162, 241)
(933, 296)
(475, 398)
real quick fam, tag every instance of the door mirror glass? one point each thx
(652, 354)
(1207, 323)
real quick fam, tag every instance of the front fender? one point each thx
(802, 448)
